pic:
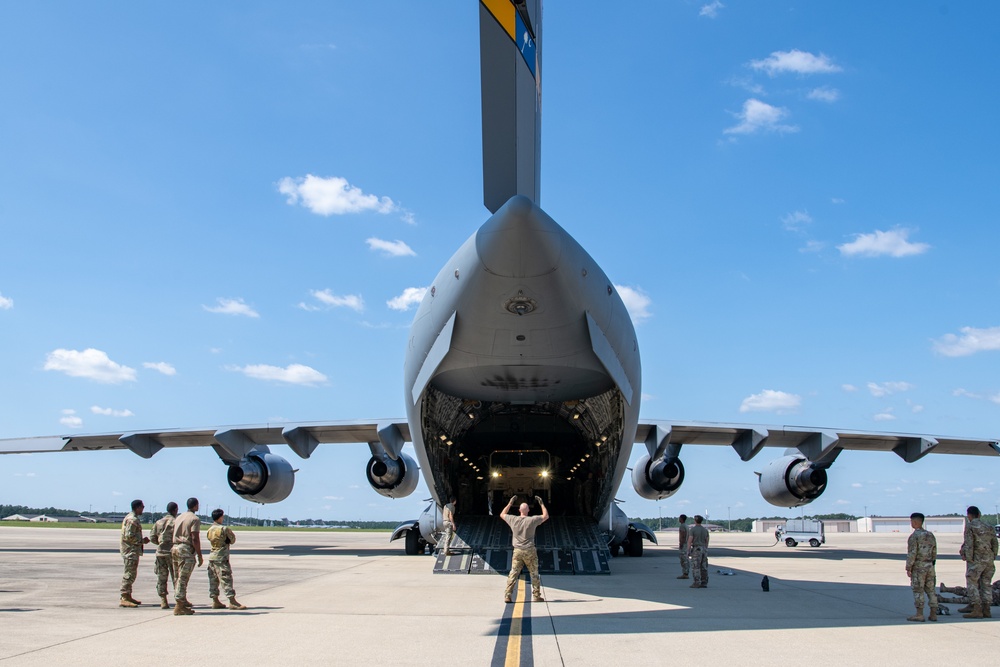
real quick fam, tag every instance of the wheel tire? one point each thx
(814, 542)
(613, 548)
(635, 545)
(790, 542)
(413, 542)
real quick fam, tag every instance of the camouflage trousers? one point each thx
(699, 565)
(163, 567)
(524, 558)
(922, 582)
(131, 570)
(449, 532)
(685, 562)
(184, 561)
(978, 578)
(220, 570)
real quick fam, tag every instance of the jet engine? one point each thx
(655, 480)
(792, 481)
(262, 477)
(393, 478)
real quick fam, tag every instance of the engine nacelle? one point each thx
(659, 479)
(262, 477)
(792, 481)
(393, 478)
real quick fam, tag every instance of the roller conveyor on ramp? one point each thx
(566, 545)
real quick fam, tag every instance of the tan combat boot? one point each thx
(182, 610)
(217, 603)
(977, 612)
(163, 602)
(132, 599)
(919, 616)
(933, 614)
(234, 604)
(966, 609)
(125, 602)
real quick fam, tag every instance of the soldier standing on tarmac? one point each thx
(921, 554)
(162, 536)
(682, 548)
(698, 548)
(978, 551)
(131, 549)
(187, 547)
(219, 570)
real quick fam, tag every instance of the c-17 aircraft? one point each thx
(522, 376)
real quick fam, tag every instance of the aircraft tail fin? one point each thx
(511, 63)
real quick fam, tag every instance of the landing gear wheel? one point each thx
(814, 542)
(635, 545)
(413, 540)
(790, 542)
(614, 549)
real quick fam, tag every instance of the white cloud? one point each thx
(292, 374)
(837, 200)
(637, 302)
(231, 307)
(824, 94)
(892, 243)
(933, 481)
(884, 416)
(848, 387)
(331, 300)
(333, 497)
(332, 196)
(758, 116)
(770, 400)
(160, 367)
(795, 62)
(843, 502)
(856, 485)
(711, 10)
(980, 489)
(886, 388)
(90, 363)
(970, 341)
(109, 412)
(965, 393)
(812, 246)
(391, 248)
(795, 220)
(995, 398)
(895, 489)
(411, 296)
(70, 419)
(6, 303)
(916, 408)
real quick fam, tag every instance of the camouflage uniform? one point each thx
(921, 553)
(963, 597)
(449, 527)
(699, 555)
(979, 551)
(525, 555)
(682, 531)
(185, 526)
(162, 536)
(131, 550)
(220, 537)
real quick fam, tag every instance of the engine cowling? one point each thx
(659, 479)
(792, 481)
(262, 477)
(393, 478)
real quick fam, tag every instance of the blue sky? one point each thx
(218, 214)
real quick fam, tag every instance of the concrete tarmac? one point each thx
(354, 599)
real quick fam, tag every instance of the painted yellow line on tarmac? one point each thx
(514, 638)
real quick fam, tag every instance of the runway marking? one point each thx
(513, 647)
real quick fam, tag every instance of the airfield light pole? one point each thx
(729, 514)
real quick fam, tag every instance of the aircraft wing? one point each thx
(230, 442)
(816, 444)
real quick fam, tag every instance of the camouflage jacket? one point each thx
(131, 535)
(220, 537)
(162, 535)
(980, 544)
(921, 549)
(682, 536)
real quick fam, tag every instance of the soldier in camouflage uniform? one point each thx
(187, 547)
(978, 551)
(682, 545)
(921, 554)
(522, 528)
(162, 536)
(698, 551)
(131, 549)
(962, 595)
(221, 537)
